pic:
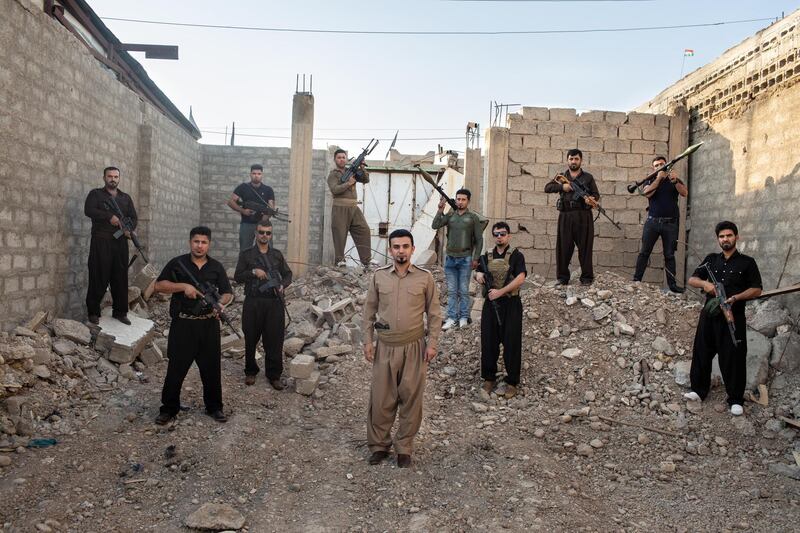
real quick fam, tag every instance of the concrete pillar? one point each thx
(678, 142)
(495, 184)
(300, 181)
(473, 177)
(327, 236)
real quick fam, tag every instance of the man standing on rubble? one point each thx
(662, 193)
(464, 245)
(265, 274)
(741, 280)
(108, 255)
(194, 333)
(398, 297)
(346, 216)
(501, 316)
(257, 193)
(575, 222)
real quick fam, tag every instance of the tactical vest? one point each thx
(499, 268)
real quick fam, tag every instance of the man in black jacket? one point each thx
(108, 254)
(266, 274)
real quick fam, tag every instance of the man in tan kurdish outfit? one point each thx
(400, 294)
(345, 213)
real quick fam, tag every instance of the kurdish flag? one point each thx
(688, 52)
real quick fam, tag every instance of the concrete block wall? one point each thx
(617, 149)
(223, 168)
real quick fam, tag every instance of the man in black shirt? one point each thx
(575, 223)
(108, 250)
(507, 266)
(194, 334)
(266, 274)
(741, 279)
(662, 221)
(257, 193)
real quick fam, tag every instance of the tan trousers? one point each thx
(398, 386)
(350, 218)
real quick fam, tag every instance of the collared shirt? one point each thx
(464, 233)
(253, 258)
(250, 193)
(343, 190)
(738, 273)
(401, 302)
(98, 209)
(664, 201)
(584, 178)
(212, 272)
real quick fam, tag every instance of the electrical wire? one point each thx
(461, 138)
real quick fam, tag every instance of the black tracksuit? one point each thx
(108, 257)
(263, 316)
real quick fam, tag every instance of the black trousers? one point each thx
(575, 228)
(653, 229)
(108, 265)
(713, 338)
(193, 341)
(509, 335)
(263, 319)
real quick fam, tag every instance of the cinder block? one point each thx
(662, 121)
(515, 141)
(643, 147)
(308, 385)
(591, 116)
(516, 211)
(578, 129)
(619, 146)
(513, 197)
(550, 128)
(548, 155)
(630, 132)
(601, 159)
(341, 311)
(302, 366)
(535, 141)
(629, 160)
(655, 134)
(615, 174)
(604, 130)
(563, 142)
(521, 126)
(641, 119)
(151, 355)
(521, 155)
(536, 113)
(520, 183)
(563, 114)
(537, 170)
(616, 117)
(534, 198)
(514, 169)
(590, 144)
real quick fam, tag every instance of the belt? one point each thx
(661, 220)
(400, 338)
(345, 202)
(195, 317)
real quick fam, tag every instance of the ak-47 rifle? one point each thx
(354, 167)
(262, 208)
(210, 296)
(126, 226)
(724, 306)
(273, 284)
(488, 283)
(427, 177)
(666, 168)
(581, 192)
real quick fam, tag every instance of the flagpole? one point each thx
(682, 64)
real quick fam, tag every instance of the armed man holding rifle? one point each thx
(575, 223)
(266, 274)
(200, 291)
(108, 252)
(502, 271)
(245, 198)
(721, 329)
(346, 216)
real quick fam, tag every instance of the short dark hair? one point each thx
(659, 158)
(200, 230)
(339, 151)
(256, 166)
(574, 151)
(465, 192)
(726, 224)
(396, 234)
(501, 225)
(109, 168)
(264, 223)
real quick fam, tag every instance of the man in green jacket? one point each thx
(464, 246)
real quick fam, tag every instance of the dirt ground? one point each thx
(555, 458)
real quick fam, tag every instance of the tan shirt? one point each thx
(343, 190)
(400, 302)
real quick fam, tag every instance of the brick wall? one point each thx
(63, 117)
(223, 168)
(617, 149)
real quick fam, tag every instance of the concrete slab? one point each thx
(129, 341)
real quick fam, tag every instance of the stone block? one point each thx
(546, 155)
(517, 211)
(535, 141)
(538, 170)
(563, 142)
(629, 160)
(536, 113)
(129, 341)
(151, 355)
(630, 132)
(37, 321)
(515, 140)
(641, 119)
(292, 346)
(655, 134)
(591, 116)
(600, 159)
(550, 128)
(302, 366)
(305, 331)
(324, 352)
(604, 130)
(307, 386)
(72, 330)
(521, 126)
(145, 278)
(514, 169)
(614, 174)
(521, 155)
(534, 198)
(616, 117)
(520, 183)
(349, 332)
(563, 114)
(643, 147)
(590, 144)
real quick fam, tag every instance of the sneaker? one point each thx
(692, 396)
(449, 323)
(736, 410)
(463, 322)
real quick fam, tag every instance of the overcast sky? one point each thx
(427, 86)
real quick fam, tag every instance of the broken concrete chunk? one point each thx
(302, 366)
(129, 341)
(72, 330)
(215, 517)
(307, 386)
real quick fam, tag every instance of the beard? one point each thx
(111, 185)
(574, 166)
(727, 246)
(401, 260)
